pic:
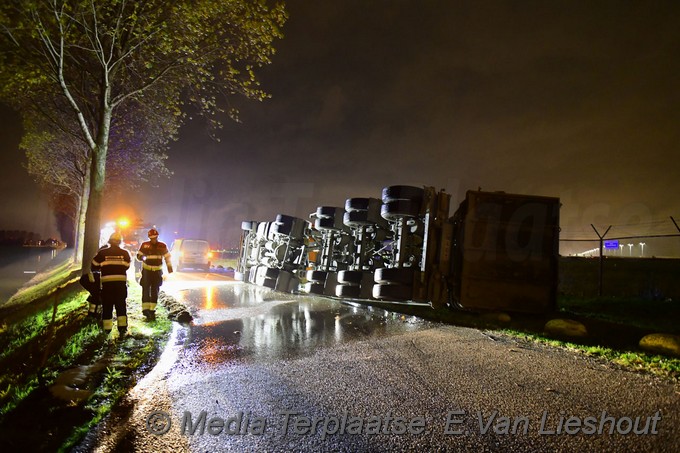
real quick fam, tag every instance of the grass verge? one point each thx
(57, 339)
(659, 315)
(615, 327)
(639, 361)
(45, 283)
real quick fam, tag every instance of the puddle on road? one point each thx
(245, 321)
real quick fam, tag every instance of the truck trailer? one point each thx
(498, 251)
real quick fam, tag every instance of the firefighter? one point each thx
(92, 283)
(151, 253)
(113, 263)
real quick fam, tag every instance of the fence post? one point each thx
(599, 285)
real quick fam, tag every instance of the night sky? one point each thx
(578, 100)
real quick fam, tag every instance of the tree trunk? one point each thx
(94, 199)
(81, 216)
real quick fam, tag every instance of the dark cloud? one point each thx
(572, 99)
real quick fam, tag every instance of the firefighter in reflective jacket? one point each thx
(113, 263)
(151, 253)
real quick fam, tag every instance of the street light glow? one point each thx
(642, 245)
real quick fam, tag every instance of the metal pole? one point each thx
(600, 273)
(675, 223)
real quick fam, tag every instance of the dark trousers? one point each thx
(114, 295)
(94, 288)
(151, 282)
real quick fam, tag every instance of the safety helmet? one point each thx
(115, 239)
(153, 233)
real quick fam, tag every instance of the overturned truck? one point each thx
(497, 252)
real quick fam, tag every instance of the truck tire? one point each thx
(399, 276)
(248, 225)
(285, 219)
(268, 283)
(293, 284)
(392, 292)
(349, 291)
(350, 277)
(283, 281)
(252, 273)
(316, 276)
(328, 223)
(295, 231)
(263, 230)
(314, 288)
(329, 212)
(356, 219)
(289, 226)
(280, 228)
(362, 204)
(268, 272)
(396, 209)
(393, 193)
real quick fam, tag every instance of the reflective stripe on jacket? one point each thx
(152, 255)
(113, 262)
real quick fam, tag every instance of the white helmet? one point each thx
(115, 239)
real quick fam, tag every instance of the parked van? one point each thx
(191, 253)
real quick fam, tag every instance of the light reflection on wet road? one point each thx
(237, 321)
(254, 351)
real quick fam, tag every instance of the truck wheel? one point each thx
(263, 230)
(289, 226)
(350, 277)
(285, 219)
(357, 219)
(362, 204)
(329, 212)
(393, 193)
(248, 225)
(352, 291)
(328, 223)
(268, 272)
(399, 276)
(392, 292)
(314, 288)
(283, 281)
(252, 273)
(268, 283)
(317, 276)
(280, 228)
(396, 209)
(293, 284)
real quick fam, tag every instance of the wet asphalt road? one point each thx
(265, 371)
